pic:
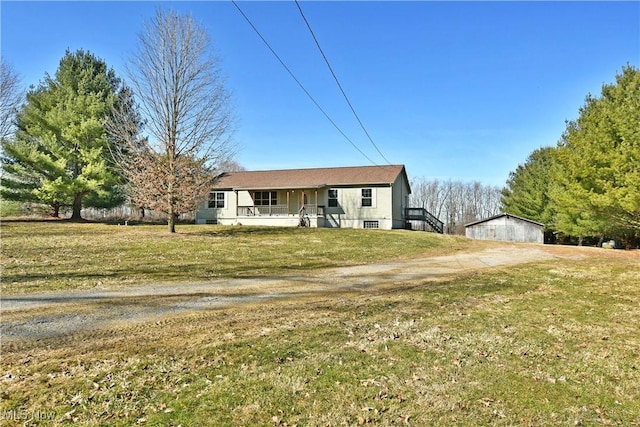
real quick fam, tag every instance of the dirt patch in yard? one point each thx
(60, 313)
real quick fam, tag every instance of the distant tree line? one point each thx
(588, 185)
(84, 138)
(455, 203)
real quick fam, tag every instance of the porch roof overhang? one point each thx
(289, 187)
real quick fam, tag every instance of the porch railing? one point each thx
(314, 210)
(278, 210)
(421, 214)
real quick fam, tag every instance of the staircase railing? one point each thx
(421, 214)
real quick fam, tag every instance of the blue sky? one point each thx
(453, 90)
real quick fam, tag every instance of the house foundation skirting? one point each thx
(274, 221)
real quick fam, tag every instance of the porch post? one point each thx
(288, 207)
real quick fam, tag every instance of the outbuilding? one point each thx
(506, 228)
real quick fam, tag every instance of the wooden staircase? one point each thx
(421, 214)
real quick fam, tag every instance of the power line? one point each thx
(338, 82)
(298, 82)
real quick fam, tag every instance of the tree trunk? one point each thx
(171, 222)
(55, 211)
(171, 217)
(77, 207)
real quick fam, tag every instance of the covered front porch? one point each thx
(279, 207)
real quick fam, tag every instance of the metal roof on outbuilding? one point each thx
(503, 215)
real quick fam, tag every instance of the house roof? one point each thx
(503, 215)
(310, 178)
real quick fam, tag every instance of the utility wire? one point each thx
(338, 82)
(298, 82)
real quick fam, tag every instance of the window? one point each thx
(371, 224)
(333, 198)
(216, 200)
(265, 198)
(367, 197)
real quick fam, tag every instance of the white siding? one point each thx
(400, 200)
(351, 214)
(205, 214)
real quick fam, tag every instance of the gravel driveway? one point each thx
(62, 313)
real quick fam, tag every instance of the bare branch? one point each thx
(187, 113)
(11, 95)
(454, 202)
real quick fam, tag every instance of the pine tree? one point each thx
(597, 186)
(60, 153)
(527, 190)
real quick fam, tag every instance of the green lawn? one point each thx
(61, 255)
(550, 343)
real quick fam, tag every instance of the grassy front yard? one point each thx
(40, 256)
(551, 343)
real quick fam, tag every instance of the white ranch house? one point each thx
(351, 197)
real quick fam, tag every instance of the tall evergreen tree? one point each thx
(597, 186)
(527, 191)
(60, 154)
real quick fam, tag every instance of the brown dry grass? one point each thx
(547, 343)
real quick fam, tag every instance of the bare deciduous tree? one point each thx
(11, 95)
(186, 113)
(456, 203)
(230, 166)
